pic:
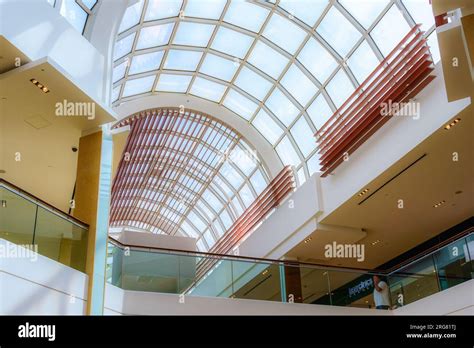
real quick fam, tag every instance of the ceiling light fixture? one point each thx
(455, 121)
(375, 242)
(439, 204)
(363, 192)
(265, 272)
(4, 203)
(40, 85)
(307, 240)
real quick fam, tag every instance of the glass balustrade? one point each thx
(27, 222)
(200, 274)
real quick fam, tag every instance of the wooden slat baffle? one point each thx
(276, 191)
(397, 79)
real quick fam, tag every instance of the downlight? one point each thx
(452, 124)
(437, 205)
(364, 192)
(40, 85)
(307, 240)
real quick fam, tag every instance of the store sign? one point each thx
(363, 286)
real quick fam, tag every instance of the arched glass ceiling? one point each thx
(284, 66)
(184, 173)
(75, 11)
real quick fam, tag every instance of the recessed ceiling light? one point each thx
(363, 192)
(40, 85)
(375, 242)
(307, 240)
(439, 204)
(4, 203)
(265, 272)
(450, 125)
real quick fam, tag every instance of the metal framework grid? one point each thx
(284, 133)
(398, 78)
(272, 197)
(70, 11)
(171, 158)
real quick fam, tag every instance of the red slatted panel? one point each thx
(276, 191)
(169, 153)
(399, 77)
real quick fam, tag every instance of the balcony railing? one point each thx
(28, 221)
(174, 271)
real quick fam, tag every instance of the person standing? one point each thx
(381, 293)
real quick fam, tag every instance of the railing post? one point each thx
(281, 268)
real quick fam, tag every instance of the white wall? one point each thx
(148, 303)
(38, 30)
(458, 300)
(39, 286)
(157, 240)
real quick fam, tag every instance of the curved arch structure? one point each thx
(283, 66)
(184, 173)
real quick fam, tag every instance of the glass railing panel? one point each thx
(452, 264)
(217, 282)
(315, 286)
(17, 218)
(414, 282)
(352, 289)
(187, 271)
(60, 240)
(253, 280)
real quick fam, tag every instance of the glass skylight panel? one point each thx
(299, 85)
(209, 238)
(231, 42)
(306, 10)
(123, 46)
(74, 14)
(182, 60)
(89, 3)
(119, 71)
(218, 228)
(173, 83)
(220, 186)
(313, 164)
(246, 15)
(158, 9)
(421, 13)
(340, 88)
(212, 200)
(319, 111)
(219, 67)
(211, 9)
(391, 29)
(364, 11)
(258, 182)
(253, 83)
(226, 219)
(284, 33)
(243, 159)
(146, 62)
(362, 62)
(287, 152)
(303, 136)
(196, 221)
(338, 32)
(231, 175)
(207, 89)
(237, 206)
(137, 86)
(268, 60)
(132, 16)
(246, 195)
(239, 104)
(200, 245)
(434, 47)
(323, 66)
(189, 230)
(282, 107)
(193, 34)
(116, 93)
(301, 176)
(154, 36)
(267, 126)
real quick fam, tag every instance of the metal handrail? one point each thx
(39, 202)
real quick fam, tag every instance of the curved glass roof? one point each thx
(186, 174)
(284, 66)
